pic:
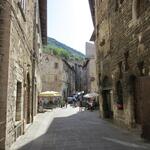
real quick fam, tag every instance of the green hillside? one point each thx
(62, 50)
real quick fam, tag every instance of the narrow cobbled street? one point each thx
(69, 129)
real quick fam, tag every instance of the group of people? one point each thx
(90, 104)
(82, 103)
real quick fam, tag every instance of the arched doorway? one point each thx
(134, 90)
(119, 91)
(106, 95)
(27, 100)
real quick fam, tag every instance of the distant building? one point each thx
(91, 67)
(69, 72)
(78, 76)
(51, 72)
(57, 75)
(85, 76)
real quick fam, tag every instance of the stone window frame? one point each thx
(118, 4)
(23, 4)
(121, 1)
(137, 9)
(56, 65)
(136, 15)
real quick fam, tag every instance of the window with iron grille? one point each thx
(18, 101)
(56, 65)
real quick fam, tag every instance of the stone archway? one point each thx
(134, 92)
(143, 105)
(119, 92)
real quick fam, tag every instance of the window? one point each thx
(47, 59)
(1, 9)
(18, 101)
(121, 1)
(99, 2)
(116, 5)
(138, 7)
(56, 65)
(23, 4)
(119, 90)
(22, 7)
(55, 77)
(120, 66)
(97, 30)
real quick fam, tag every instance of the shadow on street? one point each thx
(84, 131)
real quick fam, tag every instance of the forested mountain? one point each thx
(63, 50)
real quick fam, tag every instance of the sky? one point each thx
(70, 22)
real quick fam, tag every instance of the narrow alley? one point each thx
(69, 129)
(92, 54)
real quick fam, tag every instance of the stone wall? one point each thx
(20, 41)
(122, 41)
(78, 76)
(4, 60)
(69, 72)
(129, 46)
(51, 73)
(102, 42)
(20, 64)
(91, 70)
(57, 75)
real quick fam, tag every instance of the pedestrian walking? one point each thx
(74, 101)
(40, 104)
(91, 104)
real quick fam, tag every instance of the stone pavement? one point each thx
(69, 129)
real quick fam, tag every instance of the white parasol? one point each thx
(90, 95)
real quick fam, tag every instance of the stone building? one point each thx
(122, 37)
(78, 76)
(57, 75)
(69, 81)
(20, 45)
(91, 67)
(51, 72)
(85, 76)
